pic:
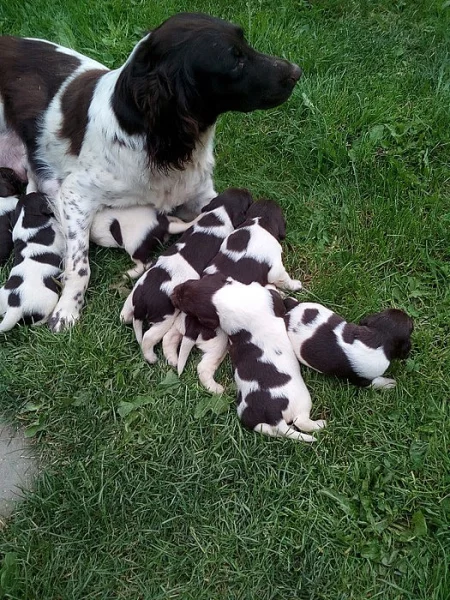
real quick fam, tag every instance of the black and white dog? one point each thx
(31, 292)
(139, 230)
(250, 253)
(10, 188)
(149, 303)
(360, 353)
(140, 134)
(272, 396)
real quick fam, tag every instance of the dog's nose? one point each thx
(296, 72)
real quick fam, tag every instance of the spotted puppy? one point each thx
(139, 230)
(250, 253)
(10, 188)
(31, 291)
(149, 303)
(272, 396)
(360, 353)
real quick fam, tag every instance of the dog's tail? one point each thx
(186, 346)
(137, 326)
(11, 318)
(176, 225)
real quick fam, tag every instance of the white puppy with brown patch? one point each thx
(139, 230)
(32, 291)
(272, 396)
(360, 353)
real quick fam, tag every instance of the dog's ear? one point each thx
(188, 298)
(290, 303)
(279, 309)
(282, 228)
(236, 202)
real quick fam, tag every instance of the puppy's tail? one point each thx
(185, 349)
(11, 318)
(137, 326)
(176, 225)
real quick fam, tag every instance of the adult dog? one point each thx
(140, 134)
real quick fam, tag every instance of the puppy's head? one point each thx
(195, 298)
(236, 201)
(396, 328)
(10, 184)
(270, 217)
(35, 208)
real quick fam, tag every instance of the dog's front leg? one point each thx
(281, 278)
(76, 211)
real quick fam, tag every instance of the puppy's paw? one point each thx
(383, 383)
(63, 318)
(296, 285)
(215, 388)
(150, 356)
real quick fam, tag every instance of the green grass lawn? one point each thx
(149, 488)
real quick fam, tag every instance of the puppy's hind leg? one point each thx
(283, 430)
(383, 383)
(304, 423)
(170, 344)
(215, 351)
(154, 335)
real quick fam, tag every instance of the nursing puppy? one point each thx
(360, 353)
(139, 230)
(272, 396)
(250, 253)
(10, 187)
(31, 291)
(149, 302)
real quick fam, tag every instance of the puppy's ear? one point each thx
(290, 303)
(236, 202)
(188, 298)
(279, 309)
(282, 228)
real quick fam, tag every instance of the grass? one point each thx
(150, 488)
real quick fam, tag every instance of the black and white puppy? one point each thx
(360, 353)
(31, 291)
(272, 396)
(149, 302)
(139, 230)
(143, 133)
(10, 188)
(250, 253)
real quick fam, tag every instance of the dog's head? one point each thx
(396, 328)
(185, 73)
(10, 184)
(270, 217)
(236, 201)
(195, 298)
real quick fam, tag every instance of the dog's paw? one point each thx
(215, 388)
(150, 356)
(62, 318)
(296, 285)
(383, 383)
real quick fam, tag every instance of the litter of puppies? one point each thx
(217, 288)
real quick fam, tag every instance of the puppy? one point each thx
(139, 230)
(360, 353)
(250, 253)
(272, 396)
(10, 188)
(31, 291)
(149, 302)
